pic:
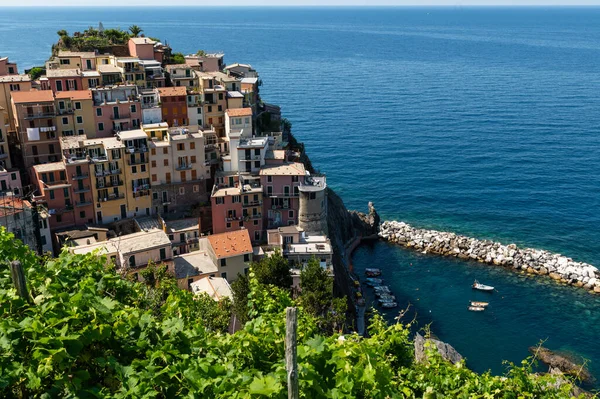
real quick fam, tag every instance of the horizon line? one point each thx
(580, 5)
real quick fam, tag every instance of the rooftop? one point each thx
(75, 94)
(142, 40)
(230, 244)
(289, 169)
(90, 74)
(70, 142)
(107, 142)
(224, 192)
(108, 68)
(32, 96)
(15, 78)
(174, 226)
(49, 167)
(159, 125)
(239, 112)
(172, 91)
(142, 241)
(193, 264)
(275, 154)
(252, 81)
(132, 134)
(148, 223)
(216, 287)
(177, 66)
(236, 65)
(234, 94)
(12, 205)
(63, 73)
(82, 54)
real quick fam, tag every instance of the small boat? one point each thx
(387, 297)
(482, 287)
(389, 305)
(382, 288)
(476, 308)
(373, 272)
(372, 282)
(479, 304)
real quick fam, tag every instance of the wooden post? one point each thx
(291, 362)
(18, 278)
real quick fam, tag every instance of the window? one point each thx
(182, 175)
(269, 179)
(165, 151)
(168, 177)
(143, 168)
(192, 146)
(193, 158)
(256, 222)
(219, 201)
(80, 132)
(65, 120)
(82, 214)
(209, 108)
(196, 189)
(236, 199)
(228, 225)
(51, 194)
(65, 61)
(155, 195)
(62, 174)
(13, 176)
(79, 119)
(257, 235)
(154, 178)
(181, 190)
(100, 127)
(98, 111)
(194, 174)
(134, 169)
(223, 262)
(133, 108)
(58, 218)
(220, 107)
(180, 147)
(246, 257)
(66, 192)
(291, 214)
(59, 85)
(153, 163)
(295, 179)
(269, 190)
(15, 87)
(220, 96)
(77, 105)
(224, 275)
(166, 162)
(132, 261)
(163, 254)
(210, 121)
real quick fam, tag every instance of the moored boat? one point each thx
(389, 305)
(479, 304)
(372, 272)
(482, 287)
(476, 308)
(372, 282)
(387, 297)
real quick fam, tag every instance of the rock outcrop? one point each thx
(445, 350)
(533, 261)
(561, 363)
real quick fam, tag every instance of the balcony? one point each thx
(57, 184)
(120, 116)
(150, 105)
(252, 203)
(36, 115)
(85, 203)
(83, 189)
(184, 167)
(234, 218)
(284, 195)
(99, 158)
(110, 183)
(254, 216)
(141, 187)
(137, 150)
(112, 197)
(66, 111)
(80, 176)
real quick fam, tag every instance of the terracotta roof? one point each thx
(172, 91)
(12, 205)
(239, 112)
(32, 96)
(75, 94)
(230, 244)
(290, 169)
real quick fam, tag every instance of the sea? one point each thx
(482, 121)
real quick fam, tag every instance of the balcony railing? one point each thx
(57, 183)
(137, 161)
(284, 195)
(35, 115)
(134, 150)
(107, 172)
(184, 167)
(80, 176)
(121, 115)
(110, 183)
(234, 218)
(99, 158)
(84, 203)
(81, 189)
(112, 197)
(252, 203)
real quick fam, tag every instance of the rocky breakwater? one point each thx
(533, 261)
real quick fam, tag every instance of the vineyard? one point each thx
(86, 332)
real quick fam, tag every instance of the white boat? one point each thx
(372, 272)
(476, 308)
(382, 288)
(389, 305)
(374, 282)
(482, 287)
(479, 304)
(387, 297)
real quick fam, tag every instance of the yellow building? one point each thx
(10, 84)
(137, 172)
(75, 113)
(107, 176)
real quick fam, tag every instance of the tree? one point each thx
(62, 33)
(135, 30)
(178, 58)
(36, 72)
(200, 53)
(241, 289)
(273, 270)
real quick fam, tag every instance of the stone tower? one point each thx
(312, 215)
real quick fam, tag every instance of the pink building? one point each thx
(116, 109)
(237, 203)
(54, 189)
(141, 47)
(64, 79)
(281, 193)
(7, 67)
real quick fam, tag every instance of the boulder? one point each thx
(445, 350)
(562, 363)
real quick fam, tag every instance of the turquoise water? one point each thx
(480, 121)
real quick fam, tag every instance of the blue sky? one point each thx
(300, 2)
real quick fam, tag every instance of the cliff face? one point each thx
(346, 228)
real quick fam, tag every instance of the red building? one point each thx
(174, 105)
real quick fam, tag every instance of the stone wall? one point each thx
(533, 261)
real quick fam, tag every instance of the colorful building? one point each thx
(75, 113)
(116, 109)
(174, 105)
(281, 185)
